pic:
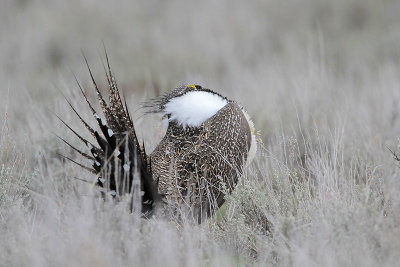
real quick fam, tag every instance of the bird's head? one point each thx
(189, 105)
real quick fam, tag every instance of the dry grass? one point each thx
(320, 78)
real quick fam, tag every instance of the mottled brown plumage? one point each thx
(189, 171)
(192, 166)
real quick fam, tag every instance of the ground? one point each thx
(319, 78)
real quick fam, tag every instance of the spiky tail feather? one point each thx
(118, 159)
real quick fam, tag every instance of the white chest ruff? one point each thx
(194, 108)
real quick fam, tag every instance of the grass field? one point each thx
(321, 80)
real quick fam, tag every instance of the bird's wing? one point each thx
(226, 144)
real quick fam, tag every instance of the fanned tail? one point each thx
(118, 159)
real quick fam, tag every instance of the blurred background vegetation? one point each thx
(320, 78)
(268, 54)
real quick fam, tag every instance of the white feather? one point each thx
(194, 108)
(126, 167)
(253, 146)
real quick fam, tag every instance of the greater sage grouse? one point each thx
(208, 141)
